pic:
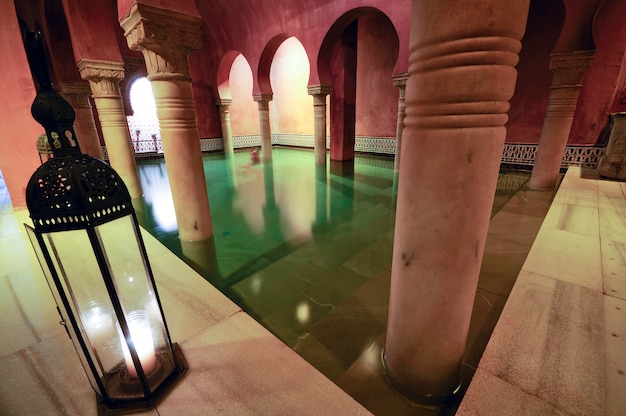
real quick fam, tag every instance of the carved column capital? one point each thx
(224, 102)
(399, 80)
(319, 89)
(103, 76)
(568, 68)
(165, 38)
(76, 93)
(260, 98)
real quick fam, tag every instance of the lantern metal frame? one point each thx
(77, 198)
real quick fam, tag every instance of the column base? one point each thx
(429, 401)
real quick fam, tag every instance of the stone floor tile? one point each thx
(615, 335)
(572, 218)
(504, 399)
(556, 352)
(566, 256)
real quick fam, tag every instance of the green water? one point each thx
(294, 244)
(261, 212)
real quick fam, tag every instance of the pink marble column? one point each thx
(227, 132)
(104, 78)
(568, 69)
(461, 76)
(263, 100)
(399, 81)
(319, 93)
(77, 94)
(165, 38)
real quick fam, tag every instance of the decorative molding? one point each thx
(520, 155)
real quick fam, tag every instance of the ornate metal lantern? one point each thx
(89, 245)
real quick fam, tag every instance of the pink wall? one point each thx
(376, 97)
(19, 131)
(292, 110)
(244, 114)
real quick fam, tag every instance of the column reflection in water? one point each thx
(321, 198)
(261, 212)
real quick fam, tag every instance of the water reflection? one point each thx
(260, 212)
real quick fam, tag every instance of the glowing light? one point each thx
(303, 312)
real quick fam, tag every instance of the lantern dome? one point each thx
(75, 191)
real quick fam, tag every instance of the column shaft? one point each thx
(227, 132)
(104, 80)
(400, 82)
(319, 94)
(461, 76)
(165, 37)
(183, 157)
(263, 101)
(568, 69)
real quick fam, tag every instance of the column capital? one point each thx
(103, 76)
(224, 102)
(263, 97)
(568, 68)
(165, 37)
(319, 89)
(399, 80)
(77, 93)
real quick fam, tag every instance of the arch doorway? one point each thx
(145, 131)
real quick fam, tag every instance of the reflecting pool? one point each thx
(292, 241)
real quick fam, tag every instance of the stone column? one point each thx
(568, 69)
(613, 163)
(165, 38)
(227, 132)
(77, 94)
(263, 101)
(399, 80)
(319, 93)
(461, 76)
(104, 78)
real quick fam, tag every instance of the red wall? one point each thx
(376, 97)
(530, 101)
(19, 131)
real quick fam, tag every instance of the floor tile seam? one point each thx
(517, 387)
(555, 279)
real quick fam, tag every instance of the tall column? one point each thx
(77, 94)
(568, 69)
(263, 100)
(399, 81)
(227, 132)
(461, 76)
(319, 93)
(165, 38)
(104, 78)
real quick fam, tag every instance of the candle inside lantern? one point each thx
(141, 338)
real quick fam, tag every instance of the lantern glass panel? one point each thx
(60, 296)
(137, 295)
